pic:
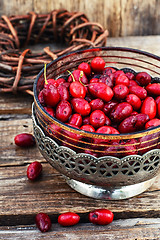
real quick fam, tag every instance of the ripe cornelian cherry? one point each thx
(77, 90)
(43, 222)
(101, 216)
(68, 219)
(24, 140)
(85, 67)
(98, 64)
(34, 170)
(51, 95)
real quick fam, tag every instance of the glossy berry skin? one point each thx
(143, 78)
(63, 111)
(88, 128)
(97, 104)
(134, 100)
(109, 105)
(122, 79)
(130, 75)
(81, 106)
(101, 216)
(97, 118)
(85, 67)
(24, 140)
(139, 91)
(101, 90)
(120, 112)
(153, 89)
(152, 123)
(133, 123)
(64, 93)
(43, 222)
(76, 119)
(77, 90)
(120, 91)
(149, 107)
(68, 219)
(51, 95)
(34, 170)
(98, 64)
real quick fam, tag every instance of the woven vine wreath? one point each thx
(19, 66)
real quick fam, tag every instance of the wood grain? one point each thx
(130, 229)
(120, 17)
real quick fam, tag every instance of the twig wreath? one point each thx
(19, 66)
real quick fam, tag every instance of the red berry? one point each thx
(98, 64)
(134, 100)
(97, 118)
(51, 95)
(85, 67)
(130, 75)
(101, 216)
(120, 91)
(88, 128)
(152, 123)
(143, 78)
(121, 111)
(76, 119)
(52, 82)
(34, 170)
(68, 219)
(43, 222)
(77, 90)
(81, 106)
(101, 90)
(149, 107)
(24, 140)
(64, 93)
(139, 91)
(97, 104)
(133, 123)
(153, 89)
(63, 111)
(109, 105)
(122, 79)
(132, 83)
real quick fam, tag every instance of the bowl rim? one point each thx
(86, 133)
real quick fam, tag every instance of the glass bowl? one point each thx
(102, 166)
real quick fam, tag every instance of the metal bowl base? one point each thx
(111, 193)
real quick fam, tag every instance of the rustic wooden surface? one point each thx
(21, 200)
(120, 17)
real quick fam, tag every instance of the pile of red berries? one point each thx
(98, 216)
(102, 99)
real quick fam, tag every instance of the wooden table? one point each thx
(21, 200)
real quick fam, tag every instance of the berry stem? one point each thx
(45, 78)
(71, 75)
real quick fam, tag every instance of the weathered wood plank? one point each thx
(121, 229)
(15, 104)
(121, 17)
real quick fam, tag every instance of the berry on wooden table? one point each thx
(43, 222)
(24, 140)
(34, 170)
